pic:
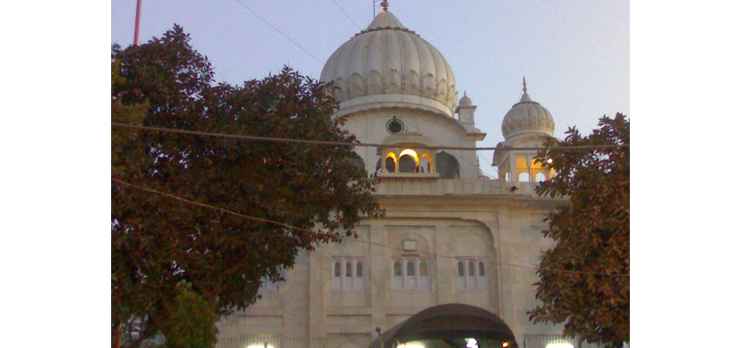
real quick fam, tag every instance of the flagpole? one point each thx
(136, 26)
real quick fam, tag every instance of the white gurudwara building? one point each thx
(452, 263)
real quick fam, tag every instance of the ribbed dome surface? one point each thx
(388, 58)
(527, 117)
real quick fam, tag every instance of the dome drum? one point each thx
(391, 101)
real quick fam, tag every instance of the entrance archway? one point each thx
(449, 326)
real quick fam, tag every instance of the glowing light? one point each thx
(410, 152)
(559, 344)
(261, 346)
(411, 345)
(550, 160)
(505, 344)
(471, 342)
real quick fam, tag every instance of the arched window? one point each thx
(406, 164)
(390, 165)
(475, 277)
(408, 161)
(352, 277)
(356, 161)
(397, 281)
(410, 273)
(447, 165)
(426, 163)
(521, 164)
(539, 177)
(522, 170)
(424, 276)
(359, 279)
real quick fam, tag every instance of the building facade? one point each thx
(450, 234)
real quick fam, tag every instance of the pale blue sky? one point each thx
(692, 73)
(575, 54)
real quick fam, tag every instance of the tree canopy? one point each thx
(218, 214)
(584, 278)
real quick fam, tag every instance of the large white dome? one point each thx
(390, 65)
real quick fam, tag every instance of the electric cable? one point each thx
(333, 143)
(339, 237)
(508, 184)
(280, 32)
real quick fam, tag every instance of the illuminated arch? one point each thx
(391, 162)
(521, 167)
(537, 170)
(410, 152)
(448, 323)
(408, 161)
(430, 168)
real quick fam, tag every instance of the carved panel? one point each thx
(342, 91)
(412, 83)
(356, 86)
(393, 81)
(374, 83)
(428, 86)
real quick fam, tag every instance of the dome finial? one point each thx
(524, 81)
(385, 5)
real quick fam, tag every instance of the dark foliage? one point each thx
(159, 242)
(584, 279)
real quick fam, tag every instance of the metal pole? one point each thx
(136, 26)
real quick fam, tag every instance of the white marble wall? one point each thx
(504, 230)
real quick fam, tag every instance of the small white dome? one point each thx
(465, 101)
(389, 59)
(527, 117)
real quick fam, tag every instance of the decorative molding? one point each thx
(396, 83)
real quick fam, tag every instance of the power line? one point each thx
(338, 237)
(280, 32)
(380, 47)
(347, 15)
(300, 46)
(334, 143)
(315, 142)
